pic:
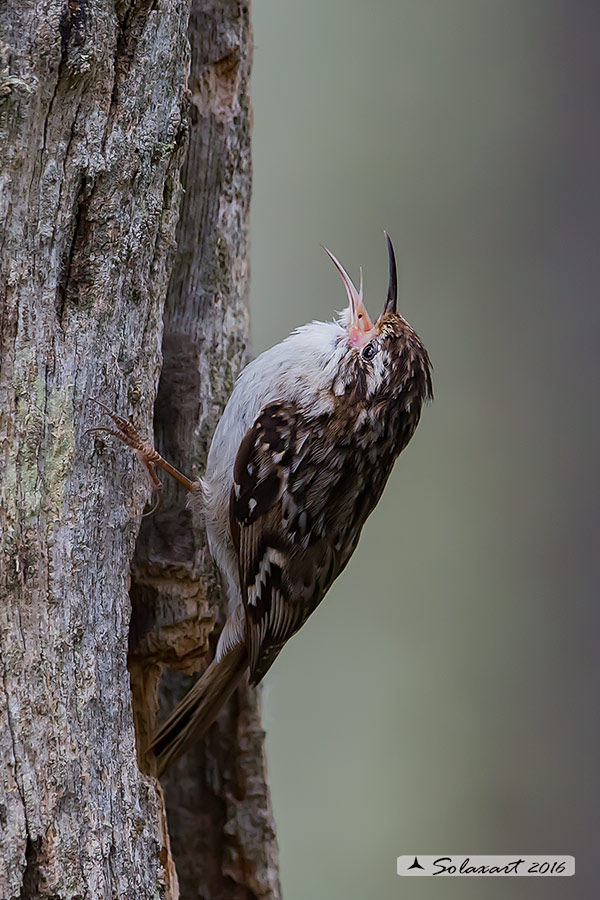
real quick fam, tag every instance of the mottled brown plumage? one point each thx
(303, 489)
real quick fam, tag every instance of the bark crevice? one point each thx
(31, 872)
(177, 601)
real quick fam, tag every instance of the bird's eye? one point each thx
(370, 350)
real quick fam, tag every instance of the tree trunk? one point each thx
(95, 114)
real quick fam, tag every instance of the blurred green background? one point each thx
(444, 697)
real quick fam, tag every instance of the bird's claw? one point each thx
(128, 434)
(124, 430)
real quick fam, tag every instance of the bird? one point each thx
(297, 463)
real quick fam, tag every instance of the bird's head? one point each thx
(384, 359)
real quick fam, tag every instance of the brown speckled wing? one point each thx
(294, 523)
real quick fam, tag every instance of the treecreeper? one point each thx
(298, 461)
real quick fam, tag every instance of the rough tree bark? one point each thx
(98, 105)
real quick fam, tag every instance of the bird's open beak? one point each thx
(360, 325)
(392, 294)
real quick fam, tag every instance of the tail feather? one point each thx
(199, 708)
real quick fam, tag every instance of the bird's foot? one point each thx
(126, 432)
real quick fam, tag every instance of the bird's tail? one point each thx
(199, 708)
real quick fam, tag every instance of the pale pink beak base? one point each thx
(360, 326)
